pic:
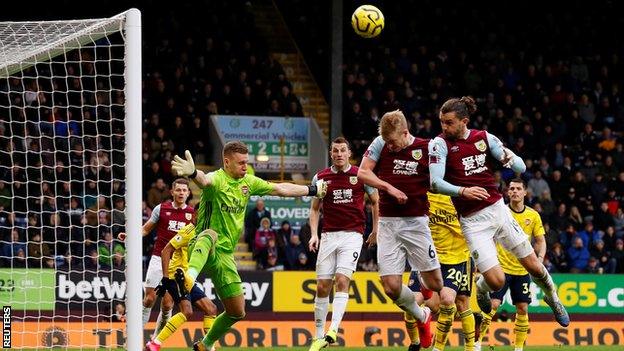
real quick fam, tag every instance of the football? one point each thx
(367, 21)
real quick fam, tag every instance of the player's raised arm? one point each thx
(437, 169)
(317, 189)
(367, 175)
(186, 168)
(507, 157)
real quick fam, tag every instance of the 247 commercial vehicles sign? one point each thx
(264, 136)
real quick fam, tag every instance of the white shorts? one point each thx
(338, 253)
(154, 272)
(484, 228)
(402, 238)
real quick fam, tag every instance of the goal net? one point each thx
(70, 119)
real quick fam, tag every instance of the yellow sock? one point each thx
(208, 320)
(172, 325)
(485, 323)
(410, 327)
(521, 329)
(468, 327)
(444, 324)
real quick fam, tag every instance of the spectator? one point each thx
(548, 205)
(558, 185)
(589, 234)
(603, 256)
(303, 263)
(19, 260)
(619, 222)
(618, 255)
(158, 193)
(37, 251)
(609, 238)
(92, 261)
(603, 218)
(107, 248)
(578, 256)
(271, 257)
(538, 184)
(284, 234)
(11, 247)
(293, 249)
(557, 257)
(263, 234)
(252, 221)
(559, 221)
(120, 313)
(575, 218)
(593, 266)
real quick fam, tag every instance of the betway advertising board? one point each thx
(272, 137)
(88, 290)
(289, 291)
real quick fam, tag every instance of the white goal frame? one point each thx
(14, 58)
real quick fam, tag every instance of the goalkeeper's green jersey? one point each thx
(223, 204)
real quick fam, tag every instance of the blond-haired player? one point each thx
(396, 164)
(517, 279)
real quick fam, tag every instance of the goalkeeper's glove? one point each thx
(318, 189)
(184, 167)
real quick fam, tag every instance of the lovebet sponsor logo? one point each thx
(6, 327)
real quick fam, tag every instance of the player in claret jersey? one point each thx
(460, 163)
(168, 218)
(396, 164)
(341, 240)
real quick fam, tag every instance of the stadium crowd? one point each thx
(61, 168)
(552, 97)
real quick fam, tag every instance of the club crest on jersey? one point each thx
(188, 216)
(353, 180)
(417, 154)
(245, 189)
(480, 145)
(168, 213)
(527, 222)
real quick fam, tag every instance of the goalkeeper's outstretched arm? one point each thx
(318, 189)
(185, 167)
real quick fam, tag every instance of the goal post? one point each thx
(70, 180)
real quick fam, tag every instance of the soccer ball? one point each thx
(367, 21)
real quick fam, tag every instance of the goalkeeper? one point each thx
(220, 219)
(175, 257)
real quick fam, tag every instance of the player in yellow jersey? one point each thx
(457, 273)
(175, 262)
(517, 279)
